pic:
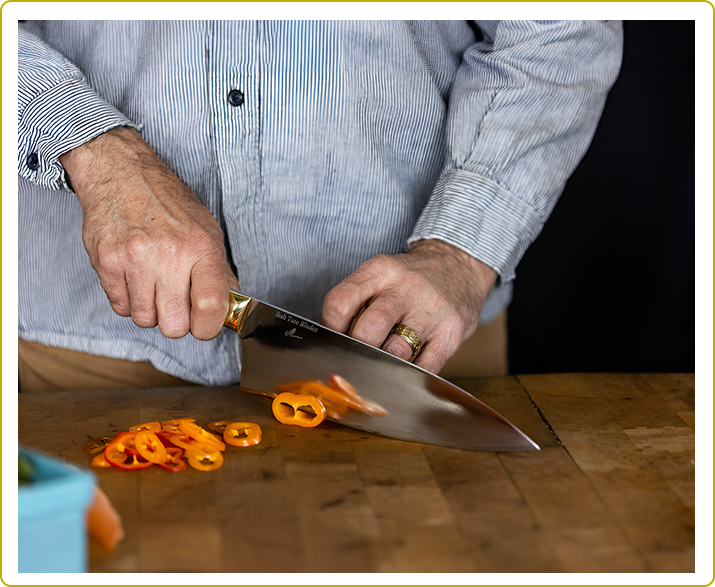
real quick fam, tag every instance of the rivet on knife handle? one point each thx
(238, 305)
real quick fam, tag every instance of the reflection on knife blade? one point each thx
(338, 396)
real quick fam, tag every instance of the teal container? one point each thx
(52, 516)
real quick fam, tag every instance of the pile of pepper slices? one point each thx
(174, 443)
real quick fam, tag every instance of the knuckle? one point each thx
(453, 327)
(108, 259)
(380, 264)
(143, 311)
(136, 248)
(210, 303)
(120, 305)
(173, 318)
(338, 304)
(417, 281)
(170, 251)
(379, 320)
(207, 244)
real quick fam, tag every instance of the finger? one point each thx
(117, 294)
(173, 305)
(142, 295)
(341, 305)
(110, 270)
(209, 298)
(420, 324)
(346, 300)
(379, 317)
(398, 346)
(439, 345)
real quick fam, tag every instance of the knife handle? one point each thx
(238, 306)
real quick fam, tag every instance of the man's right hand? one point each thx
(156, 248)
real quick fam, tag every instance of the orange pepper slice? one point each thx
(173, 425)
(290, 408)
(122, 453)
(204, 458)
(174, 461)
(218, 426)
(187, 443)
(151, 426)
(242, 433)
(335, 403)
(150, 447)
(176, 421)
(354, 399)
(200, 435)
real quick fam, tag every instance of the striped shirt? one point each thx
(315, 144)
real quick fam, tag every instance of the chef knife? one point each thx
(280, 347)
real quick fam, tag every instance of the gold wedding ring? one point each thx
(410, 337)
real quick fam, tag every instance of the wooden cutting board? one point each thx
(612, 490)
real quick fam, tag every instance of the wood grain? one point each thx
(612, 489)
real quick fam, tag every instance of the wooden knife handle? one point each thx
(238, 306)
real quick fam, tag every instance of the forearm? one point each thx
(118, 153)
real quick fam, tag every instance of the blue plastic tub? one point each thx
(52, 527)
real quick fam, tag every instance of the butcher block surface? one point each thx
(611, 490)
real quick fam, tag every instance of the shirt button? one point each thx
(235, 97)
(33, 161)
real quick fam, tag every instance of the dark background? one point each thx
(609, 285)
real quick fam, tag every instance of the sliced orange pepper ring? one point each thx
(177, 420)
(151, 426)
(242, 434)
(121, 453)
(187, 443)
(174, 461)
(204, 458)
(201, 435)
(150, 447)
(335, 403)
(173, 425)
(298, 409)
(218, 426)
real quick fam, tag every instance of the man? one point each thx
(402, 168)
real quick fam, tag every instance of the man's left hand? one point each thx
(435, 289)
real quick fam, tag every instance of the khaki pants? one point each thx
(45, 368)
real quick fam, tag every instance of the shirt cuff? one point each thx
(478, 216)
(56, 121)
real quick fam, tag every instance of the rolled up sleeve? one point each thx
(523, 110)
(57, 111)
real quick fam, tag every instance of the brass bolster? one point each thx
(238, 305)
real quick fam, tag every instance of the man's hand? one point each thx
(436, 290)
(157, 250)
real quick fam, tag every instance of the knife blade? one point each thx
(280, 347)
